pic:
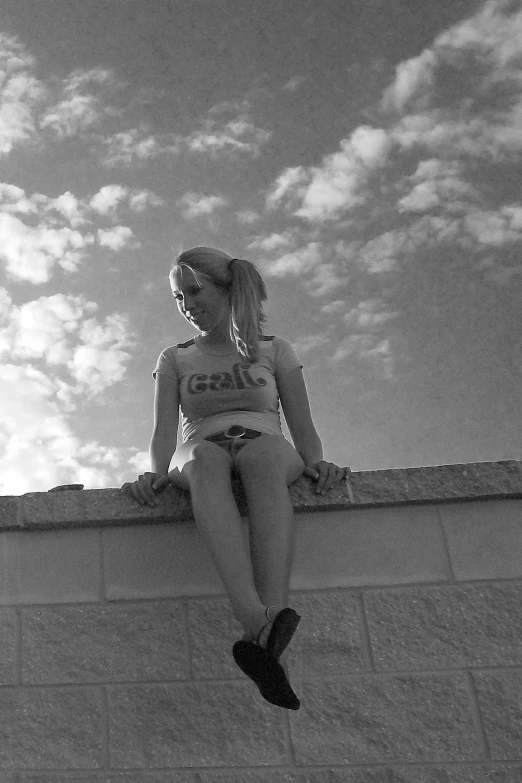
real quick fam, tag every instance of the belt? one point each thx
(235, 431)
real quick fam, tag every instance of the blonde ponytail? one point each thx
(247, 292)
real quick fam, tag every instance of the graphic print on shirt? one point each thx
(224, 381)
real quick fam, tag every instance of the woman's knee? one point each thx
(270, 455)
(195, 457)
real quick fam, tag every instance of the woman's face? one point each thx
(204, 307)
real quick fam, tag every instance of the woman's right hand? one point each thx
(144, 488)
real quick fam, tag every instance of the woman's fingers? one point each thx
(329, 474)
(142, 489)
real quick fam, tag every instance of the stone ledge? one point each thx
(365, 489)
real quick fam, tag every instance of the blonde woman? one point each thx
(228, 382)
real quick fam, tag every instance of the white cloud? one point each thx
(458, 100)
(322, 192)
(436, 183)
(68, 206)
(219, 134)
(131, 146)
(37, 340)
(326, 278)
(197, 204)
(271, 242)
(82, 105)
(311, 341)
(42, 328)
(20, 94)
(60, 331)
(116, 238)
(108, 198)
(31, 252)
(38, 447)
(246, 217)
(292, 84)
(294, 263)
(464, 93)
(414, 78)
(334, 307)
(139, 200)
(368, 314)
(353, 345)
(290, 183)
(381, 253)
(493, 227)
(100, 360)
(368, 349)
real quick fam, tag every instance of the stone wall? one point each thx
(116, 636)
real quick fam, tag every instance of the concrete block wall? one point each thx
(116, 636)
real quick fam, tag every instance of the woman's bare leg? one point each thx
(267, 465)
(204, 468)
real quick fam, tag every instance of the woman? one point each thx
(228, 382)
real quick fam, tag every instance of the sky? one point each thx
(367, 157)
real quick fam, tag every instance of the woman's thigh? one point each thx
(202, 452)
(271, 451)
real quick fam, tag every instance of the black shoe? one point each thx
(267, 673)
(283, 628)
(282, 631)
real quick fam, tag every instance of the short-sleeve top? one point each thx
(218, 391)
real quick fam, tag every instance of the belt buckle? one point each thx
(235, 431)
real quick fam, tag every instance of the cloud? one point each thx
(82, 105)
(31, 252)
(41, 329)
(227, 128)
(139, 200)
(311, 341)
(368, 349)
(326, 278)
(334, 307)
(271, 242)
(197, 204)
(292, 84)
(414, 79)
(116, 238)
(59, 330)
(321, 193)
(219, 134)
(294, 263)
(438, 183)
(21, 94)
(38, 447)
(68, 206)
(368, 314)
(99, 360)
(35, 237)
(51, 351)
(459, 100)
(107, 198)
(495, 228)
(247, 216)
(137, 144)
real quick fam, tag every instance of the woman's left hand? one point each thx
(326, 474)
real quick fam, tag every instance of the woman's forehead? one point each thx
(181, 277)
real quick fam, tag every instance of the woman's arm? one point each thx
(296, 408)
(166, 420)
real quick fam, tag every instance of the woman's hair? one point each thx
(246, 288)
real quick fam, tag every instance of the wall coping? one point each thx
(64, 508)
